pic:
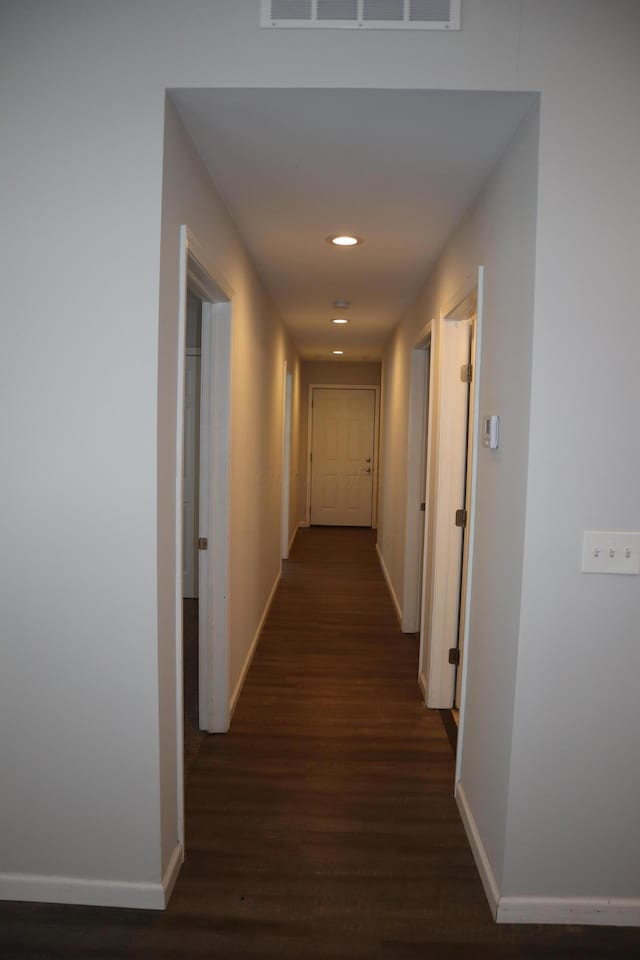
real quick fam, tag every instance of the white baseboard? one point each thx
(171, 873)
(485, 870)
(295, 534)
(603, 911)
(82, 891)
(252, 649)
(392, 592)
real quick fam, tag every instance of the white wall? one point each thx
(81, 174)
(498, 232)
(82, 120)
(573, 824)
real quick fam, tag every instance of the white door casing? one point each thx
(286, 462)
(213, 563)
(466, 537)
(472, 485)
(452, 454)
(417, 474)
(190, 475)
(215, 403)
(451, 439)
(342, 456)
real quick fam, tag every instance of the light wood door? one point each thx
(342, 456)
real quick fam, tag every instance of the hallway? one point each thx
(323, 824)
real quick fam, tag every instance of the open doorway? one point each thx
(202, 507)
(441, 494)
(190, 553)
(417, 482)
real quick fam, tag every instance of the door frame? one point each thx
(418, 463)
(442, 554)
(376, 441)
(215, 424)
(195, 353)
(285, 519)
(474, 434)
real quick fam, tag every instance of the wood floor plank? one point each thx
(323, 825)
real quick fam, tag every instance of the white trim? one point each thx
(195, 275)
(475, 435)
(295, 534)
(392, 592)
(422, 683)
(178, 525)
(423, 650)
(466, 290)
(483, 864)
(90, 892)
(252, 649)
(441, 630)
(201, 281)
(450, 473)
(285, 518)
(601, 911)
(214, 520)
(171, 873)
(415, 518)
(376, 441)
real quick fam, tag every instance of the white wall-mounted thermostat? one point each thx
(491, 432)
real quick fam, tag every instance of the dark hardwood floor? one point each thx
(193, 736)
(323, 825)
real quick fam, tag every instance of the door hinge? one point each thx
(423, 507)
(466, 372)
(454, 657)
(461, 518)
(203, 543)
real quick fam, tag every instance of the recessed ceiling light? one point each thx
(339, 320)
(343, 240)
(342, 304)
(338, 352)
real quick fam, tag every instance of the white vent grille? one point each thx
(371, 14)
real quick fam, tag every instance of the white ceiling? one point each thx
(396, 167)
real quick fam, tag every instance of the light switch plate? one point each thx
(611, 552)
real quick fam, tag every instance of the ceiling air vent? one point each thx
(371, 14)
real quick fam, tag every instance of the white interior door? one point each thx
(449, 441)
(342, 456)
(215, 425)
(190, 476)
(467, 507)
(423, 486)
